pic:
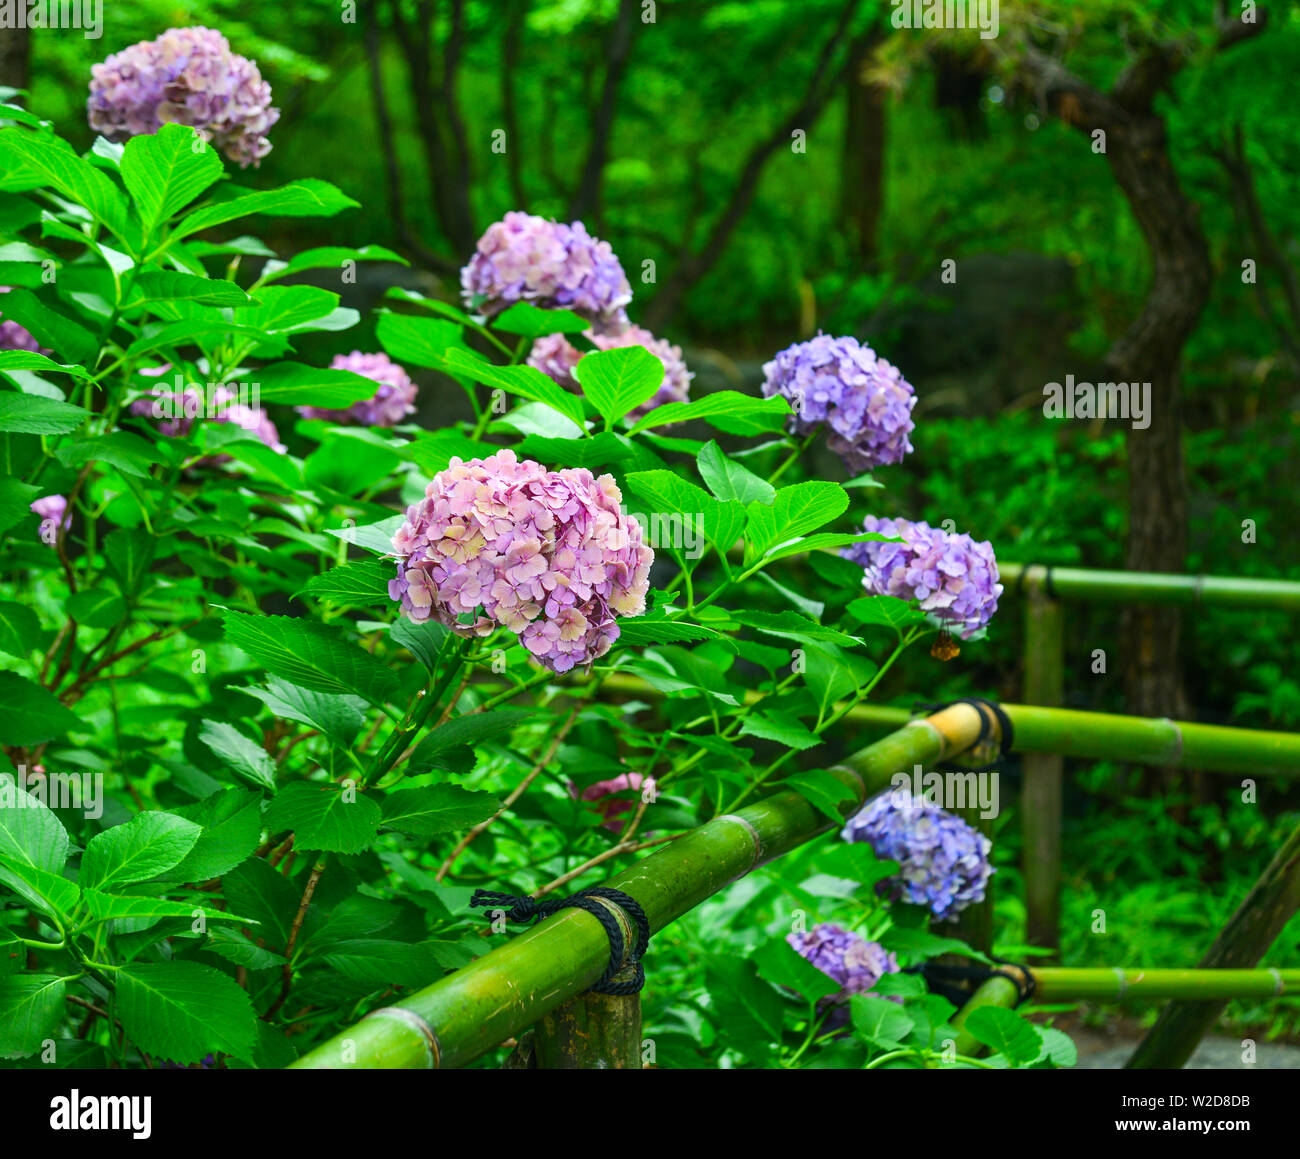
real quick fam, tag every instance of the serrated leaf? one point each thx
(526, 381)
(338, 717)
(96, 607)
(175, 286)
(727, 410)
(824, 791)
(465, 730)
(296, 384)
(794, 511)
(619, 380)
(130, 551)
(1006, 1033)
(231, 820)
(147, 845)
(362, 584)
(32, 414)
(432, 810)
(530, 321)
(19, 629)
(31, 1008)
(182, 1011)
(727, 479)
(164, 172)
(415, 341)
(781, 727)
(50, 327)
(29, 713)
(248, 760)
(122, 450)
(141, 912)
(887, 611)
(30, 833)
(325, 817)
(306, 198)
(236, 948)
(879, 1022)
(314, 656)
(424, 640)
(330, 257)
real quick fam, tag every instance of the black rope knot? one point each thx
(522, 908)
(938, 978)
(995, 712)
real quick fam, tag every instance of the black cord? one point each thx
(937, 978)
(1006, 729)
(521, 908)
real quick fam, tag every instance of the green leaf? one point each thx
(286, 309)
(745, 1008)
(142, 912)
(15, 500)
(793, 626)
(376, 962)
(182, 1011)
(888, 611)
(50, 893)
(618, 381)
(231, 820)
(325, 817)
(307, 198)
(679, 510)
(296, 384)
(243, 757)
(424, 641)
(727, 479)
(96, 607)
(432, 810)
(314, 656)
(415, 341)
(147, 845)
(30, 360)
(30, 714)
(125, 452)
(19, 629)
(879, 1022)
(130, 551)
(532, 322)
(469, 729)
(166, 170)
(49, 327)
(526, 381)
(31, 1008)
(822, 541)
(28, 160)
(780, 727)
(236, 948)
(1058, 1047)
(824, 791)
(727, 410)
(795, 510)
(338, 717)
(329, 257)
(32, 414)
(778, 962)
(254, 888)
(363, 585)
(173, 286)
(916, 945)
(642, 630)
(833, 674)
(1005, 1032)
(30, 833)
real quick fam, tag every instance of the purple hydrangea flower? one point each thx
(852, 961)
(16, 337)
(392, 402)
(178, 410)
(187, 76)
(556, 356)
(954, 577)
(944, 862)
(524, 258)
(862, 398)
(548, 554)
(55, 517)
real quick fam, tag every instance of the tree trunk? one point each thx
(863, 175)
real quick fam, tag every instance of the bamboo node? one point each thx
(433, 1049)
(753, 835)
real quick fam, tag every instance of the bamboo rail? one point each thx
(1090, 585)
(512, 987)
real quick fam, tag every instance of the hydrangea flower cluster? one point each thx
(16, 337)
(954, 577)
(852, 961)
(548, 554)
(179, 410)
(186, 76)
(53, 510)
(525, 258)
(862, 398)
(392, 402)
(944, 862)
(556, 356)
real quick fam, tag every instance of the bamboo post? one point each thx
(495, 997)
(1096, 586)
(1041, 795)
(1250, 931)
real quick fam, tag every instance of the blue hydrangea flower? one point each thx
(954, 578)
(864, 400)
(944, 862)
(852, 961)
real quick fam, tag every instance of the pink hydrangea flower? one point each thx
(187, 76)
(556, 356)
(611, 808)
(55, 517)
(525, 258)
(177, 412)
(547, 554)
(392, 402)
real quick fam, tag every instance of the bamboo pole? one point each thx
(1246, 938)
(591, 1032)
(1067, 984)
(1041, 795)
(495, 997)
(1086, 584)
(997, 991)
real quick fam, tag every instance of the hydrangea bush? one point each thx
(287, 664)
